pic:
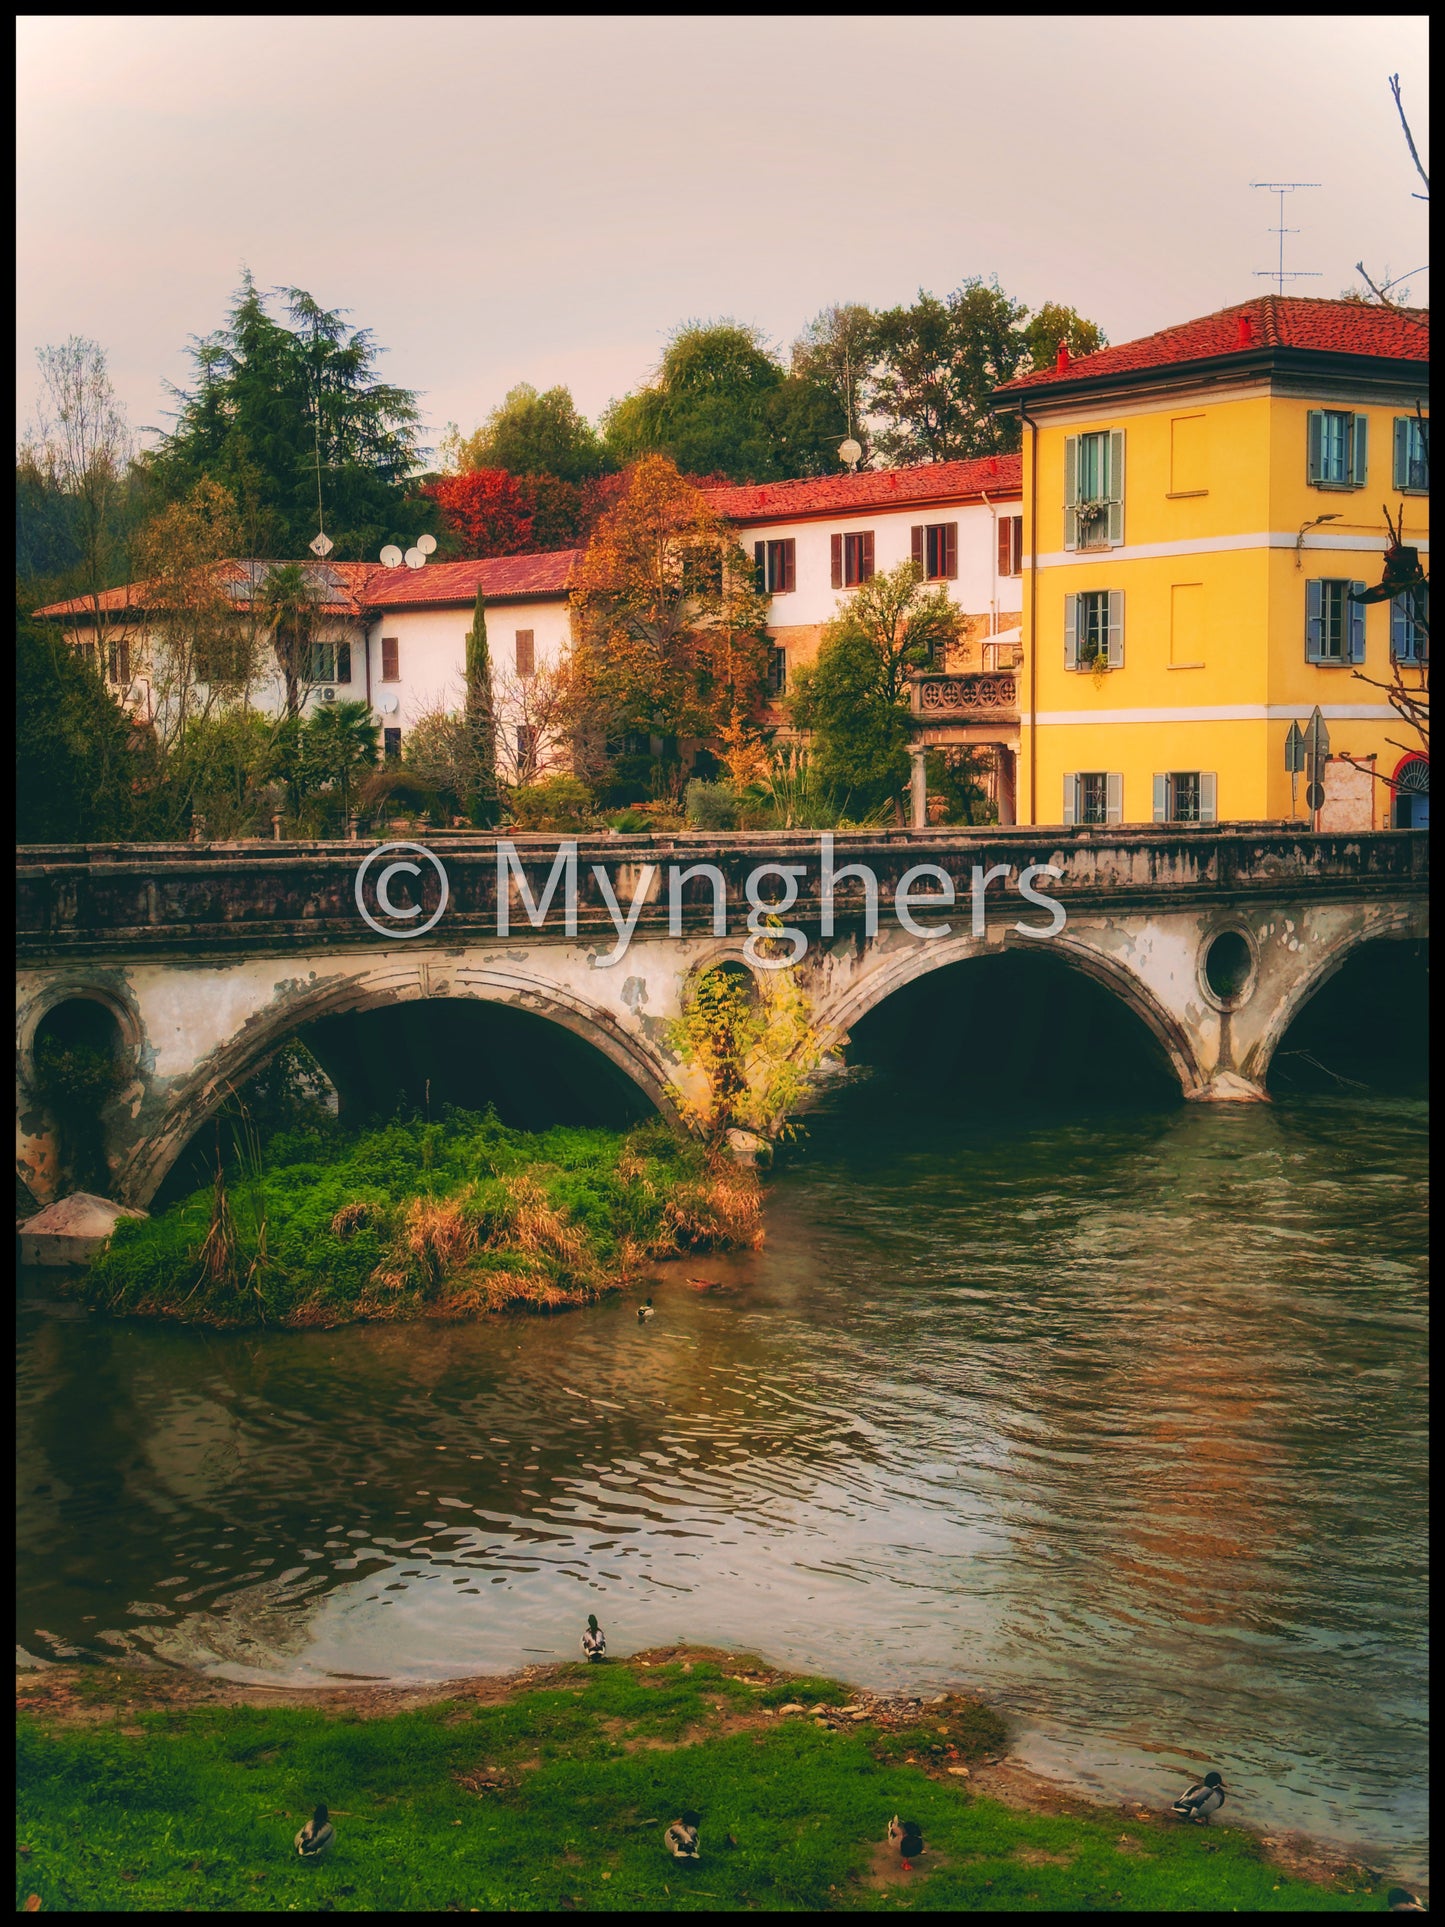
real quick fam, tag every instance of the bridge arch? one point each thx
(902, 967)
(1401, 925)
(180, 1109)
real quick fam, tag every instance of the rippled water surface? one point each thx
(1119, 1419)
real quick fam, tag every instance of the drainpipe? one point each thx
(993, 566)
(1033, 429)
(366, 657)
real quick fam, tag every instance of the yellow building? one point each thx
(1200, 507)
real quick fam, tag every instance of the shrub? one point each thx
(556, 803)
(711, 806)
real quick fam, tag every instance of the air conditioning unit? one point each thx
(328, 695)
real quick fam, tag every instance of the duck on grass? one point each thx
(450, 1219)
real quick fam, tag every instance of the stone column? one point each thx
(1005, 782)
(918, 786)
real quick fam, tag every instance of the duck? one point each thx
(1399, 1901)
(681, 1836)
(1206, 1796)
(317, 1837)
(644, 1311)
(907, 1837)
(594, 1640)
(717, 1285)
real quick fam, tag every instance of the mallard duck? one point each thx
(716, 1285)
(594, 1640)
(1206, 1796)
(907, 1837)
(1400, 1902)
(317, 1837)
(644, 1311)
(681, 1836)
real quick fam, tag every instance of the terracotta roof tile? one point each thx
(872, 488)
(502, 575)
(342, 581)
(1269, 321)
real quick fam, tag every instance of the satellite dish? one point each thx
(850, 452)
(387, 705)
(322, 546)
(391, 556)
(427, 544)
(414, 559)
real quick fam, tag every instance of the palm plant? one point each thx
(289, 605)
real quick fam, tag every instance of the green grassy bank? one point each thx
(136, 1793)
(451, 1219)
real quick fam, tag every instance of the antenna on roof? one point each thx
(415, 557)
(322, 544)
(1281, 274)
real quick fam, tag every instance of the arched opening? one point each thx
(1228, 965)
(418, 1058)
(1017, 1031)
(1366, 1027)
(1411, 807)
(78, 1060)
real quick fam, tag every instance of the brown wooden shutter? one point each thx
(837, 546)
(950, 550)
(390, 659)
(919, 555)
(1005, 544)
(790, 566)
(865, 572)
(760, 567)
(343, 662)
(526, 653)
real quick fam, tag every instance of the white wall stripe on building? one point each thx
(1223, 713)
(1222, 545)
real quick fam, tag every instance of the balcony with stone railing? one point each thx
(980, 696)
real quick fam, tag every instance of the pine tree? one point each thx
(481, 718)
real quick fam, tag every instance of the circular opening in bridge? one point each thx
(1229, 966)
(79, 1059)
(1367, 1028)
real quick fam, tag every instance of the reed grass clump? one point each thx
(456, 1218)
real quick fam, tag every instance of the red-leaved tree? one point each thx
(486, 510)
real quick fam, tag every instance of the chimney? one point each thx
(1246, 329)
(1063, 361)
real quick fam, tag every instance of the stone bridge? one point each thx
(200, 960)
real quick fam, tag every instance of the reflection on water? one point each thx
(1119, 1419)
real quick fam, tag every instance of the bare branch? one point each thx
(1409, 139)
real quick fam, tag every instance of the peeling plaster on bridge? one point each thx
(210, 959)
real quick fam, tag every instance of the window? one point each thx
(778, 671)
(1094, 629)
(935, 550)
(526, 652)
(1010, 545)
(526, 750)
(391, 745)
(331, 662)
(852, 559)
(1189, 455)
(1094, 796)
(1412, 794)
(88, 652)
(1185, 796)
(1410, 625)
(777, 566)
(1094, 490)
(1412, 455)
(390, 659)
(1334, 624)
(1338, 449)
(117, 666)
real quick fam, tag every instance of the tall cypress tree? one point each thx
(481, 718)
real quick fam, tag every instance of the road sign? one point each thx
(1317, 743)
(1315, 796)
(1294, 750)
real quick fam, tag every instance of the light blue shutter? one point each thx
(1314, 621)
(1399, 613)
(1116, 487)
(1071, 632)
(1359, 451)
(1316, 445)
(1071, 800)
(1114, 793)
(1402, 451)
(1161, 799)
(1116, 628)
(1071, 491)
(1208, 795)
(1357, 623)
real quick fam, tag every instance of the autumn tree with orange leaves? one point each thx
(668, 620)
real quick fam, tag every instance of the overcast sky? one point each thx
(543, 199)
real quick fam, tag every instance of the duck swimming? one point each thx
(1206, 1796)
(681, 1836)
(317, 1837)
(594, 1640)
(644, 1312)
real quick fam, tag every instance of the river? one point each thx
(1116, 1416)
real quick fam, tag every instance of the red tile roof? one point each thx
(502, 577)
(1269, 321)
(872, 488)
